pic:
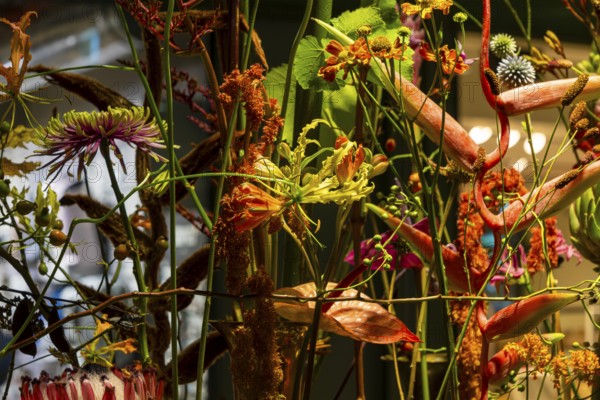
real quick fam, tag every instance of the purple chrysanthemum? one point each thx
(79, 135)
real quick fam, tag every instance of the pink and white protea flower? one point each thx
(94, 382)
(79, 135)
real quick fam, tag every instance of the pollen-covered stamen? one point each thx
(567, 178)
(582, 124)
(578, 112)
(591, 133)
(493, 80)
(575, 89)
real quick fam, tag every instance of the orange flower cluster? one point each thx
(247, 85)
(536, 260)
(425, 7)
(343, 58)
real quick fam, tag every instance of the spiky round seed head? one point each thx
(516, 71)
(503, 45)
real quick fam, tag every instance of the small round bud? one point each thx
(379, 247)
(395, 189)
(367, 261)
(575, 345)
(460, 17)
(162, 243)
(121, 252)
(24, 207)
(404, 32)
(521, 388)
(390, 145)
(512, 373)
(58, 224)
(364, 30)
(57, 238)
(377, 238)
(43, 268)
(4, 188)
(43, 217)
(4, 128)
(413, 214)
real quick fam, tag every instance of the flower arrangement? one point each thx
(320, 219)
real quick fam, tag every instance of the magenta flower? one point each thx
(401, 255)
(94, 382)
(80, 134)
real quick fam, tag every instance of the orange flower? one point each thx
(426, 7)
(19, 51)
(349, 165)
(342, 58)
(252, 206)
(450, 62)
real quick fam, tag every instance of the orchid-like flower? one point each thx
(511, 268)
(399, 254)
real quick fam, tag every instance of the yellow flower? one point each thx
(103, 355)
(426, 7)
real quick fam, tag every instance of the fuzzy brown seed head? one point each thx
(381, 43)
(591, 133)
(575, 89)
(493, 81)
(596, 148)
(582, 124)
(562, 63)
(478, 164)
(577, 113)
(567, 178)
(588, 157)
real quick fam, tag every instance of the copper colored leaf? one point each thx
(19, 51)
(357, 319)
(18, 169)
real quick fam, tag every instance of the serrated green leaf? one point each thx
(21, 135)
(310, 56)
(18, 169)
(389, 13)
(275, 85)
(349, 21)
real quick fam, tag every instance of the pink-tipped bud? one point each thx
(523, 316)
(87, 390)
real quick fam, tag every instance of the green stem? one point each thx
(137, 265)
(172, 201)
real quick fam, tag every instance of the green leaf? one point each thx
(275, 85)
(349, 21)
(310, 56)
(389, 13)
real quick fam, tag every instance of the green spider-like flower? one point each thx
(79, 135)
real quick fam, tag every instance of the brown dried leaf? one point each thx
(358, 319)
(18, 169)
(19, 50)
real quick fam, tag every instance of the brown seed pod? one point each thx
(57, 237)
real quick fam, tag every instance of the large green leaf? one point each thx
(310, 56)
(348, 22)
(275, 85)
(389, 13)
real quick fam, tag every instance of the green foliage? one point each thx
(275, 85)
(309, 58)
(349, 21)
